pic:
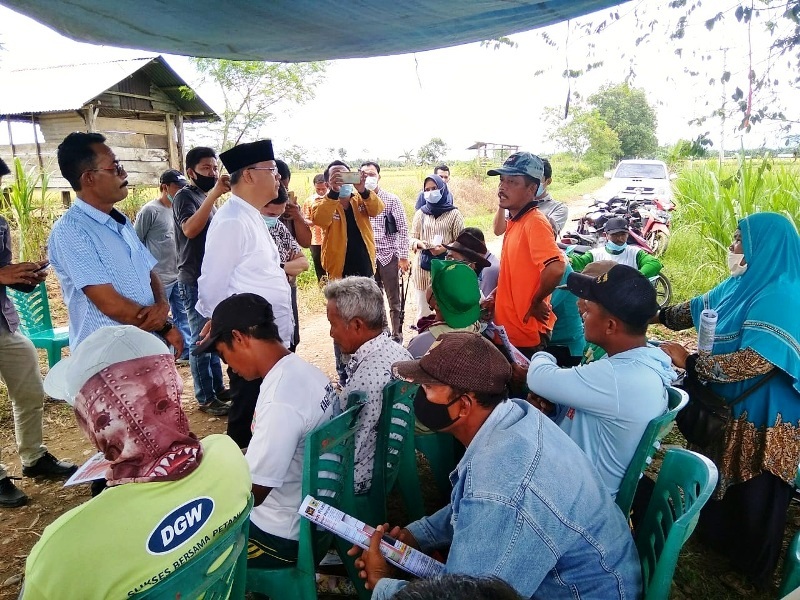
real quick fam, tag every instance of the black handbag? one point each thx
(704, 419)
(425, 259)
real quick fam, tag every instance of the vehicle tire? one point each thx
(663, 290)
(658, 241)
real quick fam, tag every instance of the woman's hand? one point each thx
(676, 352)
(437, 250)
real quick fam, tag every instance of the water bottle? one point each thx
(706, 331)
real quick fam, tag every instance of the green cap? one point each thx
(455, 287)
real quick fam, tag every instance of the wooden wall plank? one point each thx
(131, 125)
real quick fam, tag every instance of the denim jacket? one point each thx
(528, 507)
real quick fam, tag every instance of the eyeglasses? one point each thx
(117, 168)
(273, 169)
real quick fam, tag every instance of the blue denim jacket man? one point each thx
(527, 506)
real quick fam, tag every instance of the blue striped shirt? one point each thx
(90, 247)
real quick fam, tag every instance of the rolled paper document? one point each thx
(706, 331)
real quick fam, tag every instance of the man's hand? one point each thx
(153, 317)
(223, 186)
(293, 212)
(487, 308)
(372, 566)
(403, 264)
(543, 405)
(175, 339)
(676, 352)
(335, 182)
(437, 250)
(22, 273)
(204, 332)
(360, 185)
(539, 311)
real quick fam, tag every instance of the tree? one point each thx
(432, 152)
(407, 157)
(295, 155)
(627, 112)
(251, 89)
(586, 136)
(342, 152)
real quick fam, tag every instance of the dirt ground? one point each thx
(699, 575)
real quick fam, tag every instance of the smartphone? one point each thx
(42, 268)
(351, 176)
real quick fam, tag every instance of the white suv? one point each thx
(642, 179)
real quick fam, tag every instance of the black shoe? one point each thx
(10, 495)
(49, 466)
(224, 395)
(215, 408)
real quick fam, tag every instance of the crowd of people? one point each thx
(538, 365)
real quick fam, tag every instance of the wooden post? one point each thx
(66, 198)
(181, 149)
(172, 151)
(91, 119)
(38, 147)
(11, 139)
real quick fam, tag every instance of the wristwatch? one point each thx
(165, 329)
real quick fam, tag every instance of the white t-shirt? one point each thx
(626, 257)
(295, 398)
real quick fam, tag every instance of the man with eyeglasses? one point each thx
(241, 257)
(106, 273)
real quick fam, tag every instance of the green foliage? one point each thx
(137, 197)
(432, 152)
(28, 211)
(251, 90)
(683, 149)
(627, 112)
(588, 137)
(712, 201)
(568, 170)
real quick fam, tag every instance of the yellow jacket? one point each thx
(329, 215)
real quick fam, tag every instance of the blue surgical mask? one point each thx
(270, 221)
(540, 191)
(170, 197)
(432, 197)
(612, 247)
(346, 190)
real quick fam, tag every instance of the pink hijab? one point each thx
(132, 412)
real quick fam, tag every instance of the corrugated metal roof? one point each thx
(296, 30)
(62, 88)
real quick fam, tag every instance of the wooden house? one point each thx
(140, 105)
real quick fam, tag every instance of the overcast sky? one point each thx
(469, 92)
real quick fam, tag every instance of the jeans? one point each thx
(179, 317)
(243, 406)
(19, 369)
(206, 368)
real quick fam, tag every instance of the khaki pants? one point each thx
(19, 369)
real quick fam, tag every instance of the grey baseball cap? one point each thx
(521, 163)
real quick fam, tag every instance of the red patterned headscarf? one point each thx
(132, 412)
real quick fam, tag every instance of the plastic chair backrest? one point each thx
(397, 425)
(33, 310)
(217, 573)
(790, 580)
(648, 446)
(685, 483)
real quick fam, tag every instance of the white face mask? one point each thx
(735, 264)
(371, 183)
(432, 196)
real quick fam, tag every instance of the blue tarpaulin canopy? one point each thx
(296, 30)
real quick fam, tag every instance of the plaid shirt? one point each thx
(396, 244)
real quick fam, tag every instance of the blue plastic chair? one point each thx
(36, 324)
(218, 573)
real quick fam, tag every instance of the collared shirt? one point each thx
(555, 211)
(9, 319)
(389, 245)
(241, 257)
(561, 537)
(369, 370)
(287, 246)
(190, 250)
(90, 247)
(308, 212)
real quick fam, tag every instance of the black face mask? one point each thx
(433, 416)
(204, 182)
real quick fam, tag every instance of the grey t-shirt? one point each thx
(155, 226)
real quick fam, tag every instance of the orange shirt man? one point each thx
(532, 264)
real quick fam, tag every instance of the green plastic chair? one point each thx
(440, 451)
(217, 573)
(394, 452)
(36, 324)
(685, 483)
(328, 476)
(648, 446)
(790, 580)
